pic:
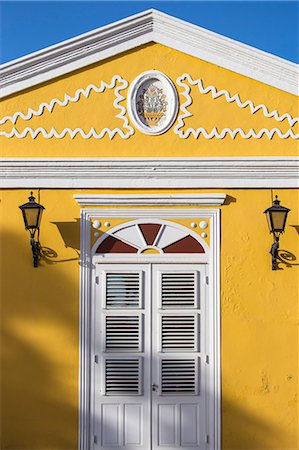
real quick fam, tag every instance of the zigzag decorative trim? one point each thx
(230, 99)
(67, 99)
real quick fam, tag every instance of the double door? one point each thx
(150, 366)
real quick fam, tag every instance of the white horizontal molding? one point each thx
(146, 213)
(145, 27)
(226, 172)
(105, 259)
(150, 199)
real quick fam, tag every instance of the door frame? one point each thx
(87, 283)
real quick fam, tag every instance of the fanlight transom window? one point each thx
(147, 238)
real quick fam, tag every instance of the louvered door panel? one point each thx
(177, 401)
(178, 376)
(178, 333)
(179, 290)
(123, 290)
(123, 333)
(123, 376)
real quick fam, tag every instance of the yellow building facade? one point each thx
(155, 147)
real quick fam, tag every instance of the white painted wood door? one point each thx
(149, 369)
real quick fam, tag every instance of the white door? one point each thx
(149, 367)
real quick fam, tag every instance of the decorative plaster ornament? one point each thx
(96, 224)
(204, 235)
(193, 225)
(96, 234)
(107, 224)
(203, 224)
(214, 133)
(123, 84)
(152, 102)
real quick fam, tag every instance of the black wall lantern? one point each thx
(277, 217)
(32, 214)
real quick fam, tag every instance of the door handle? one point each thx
(154, 387)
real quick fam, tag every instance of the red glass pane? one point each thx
(150, 231)
(186, 245)
(113, 245)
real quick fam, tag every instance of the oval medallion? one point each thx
(152, 102)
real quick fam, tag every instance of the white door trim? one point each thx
(87, 282)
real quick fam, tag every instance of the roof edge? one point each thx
(142, 28)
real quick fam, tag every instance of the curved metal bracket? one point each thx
(274, 253)
(36, 251)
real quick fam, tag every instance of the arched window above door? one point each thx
(150, 238)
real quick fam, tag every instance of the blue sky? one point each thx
(272, 26)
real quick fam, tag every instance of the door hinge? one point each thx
(207, 359)
(96, 359)
(207, 280)
(207, 439)
(97, 279)
(95, 439)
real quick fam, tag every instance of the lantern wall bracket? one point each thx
(274, 253)
(36, 251)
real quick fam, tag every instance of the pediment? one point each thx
(140, 29)
(100, 103)
(91, 108)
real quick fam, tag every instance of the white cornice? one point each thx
(134, 173)
(142, 28)
(150, 199)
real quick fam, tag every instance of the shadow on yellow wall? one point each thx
(40, 352)
(39, 371)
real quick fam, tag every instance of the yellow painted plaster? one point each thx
(40, 322)
(40, 307)
(98, 111)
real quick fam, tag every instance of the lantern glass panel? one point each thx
(278, 219)
(269, 220)
(32, 217)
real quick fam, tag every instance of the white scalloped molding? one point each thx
(101, 173)
(68, 99)
(145, 27)
(184, 134)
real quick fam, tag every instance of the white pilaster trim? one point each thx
(84, 333)
(148, 26)
(213, 290)
(134, 173)
(215, 330)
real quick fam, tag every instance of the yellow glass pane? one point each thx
(31, 215)
(150, 251)
(278, 220)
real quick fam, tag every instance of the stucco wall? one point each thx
(40, 307)
(40, 324)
